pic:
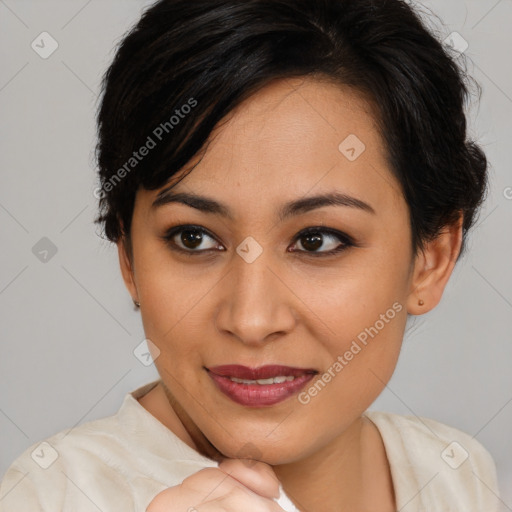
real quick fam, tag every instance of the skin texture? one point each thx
(289, 308)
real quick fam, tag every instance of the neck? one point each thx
(351, 473)
(331, 479)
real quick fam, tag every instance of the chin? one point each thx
(270, 452)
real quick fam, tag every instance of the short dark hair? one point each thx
(186, 64)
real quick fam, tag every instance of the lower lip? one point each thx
(256, 395)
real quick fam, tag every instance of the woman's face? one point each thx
(252, 290)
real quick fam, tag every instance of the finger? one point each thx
(258, 477)
(238, 499)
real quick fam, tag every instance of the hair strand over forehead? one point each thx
(186, 65)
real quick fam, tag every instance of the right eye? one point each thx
(189, 239)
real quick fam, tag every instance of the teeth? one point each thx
(262, 382)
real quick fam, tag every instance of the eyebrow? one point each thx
(296, 207)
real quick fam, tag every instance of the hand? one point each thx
(235, 485)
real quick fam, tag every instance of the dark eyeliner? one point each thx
(345, 240)
(172, 232)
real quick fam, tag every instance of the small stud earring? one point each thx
(137, 304)
(420, 302)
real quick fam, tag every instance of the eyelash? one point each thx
(345, 240)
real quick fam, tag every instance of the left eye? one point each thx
(312, 239)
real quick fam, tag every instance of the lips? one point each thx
(262, 372)
(262, 386)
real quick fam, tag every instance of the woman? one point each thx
(286, 182)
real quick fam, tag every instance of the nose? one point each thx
(256, 305)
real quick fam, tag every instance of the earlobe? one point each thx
(433, 268)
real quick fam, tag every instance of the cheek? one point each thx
(171, 309)
(366, 341)
(359, 369)
(363, 307)
(368, 289)
(168, 289)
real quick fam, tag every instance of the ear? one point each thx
(433, 267)
(127, 269)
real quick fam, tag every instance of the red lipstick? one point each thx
(276, 382)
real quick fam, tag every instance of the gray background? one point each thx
(68, 325)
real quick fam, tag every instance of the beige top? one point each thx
(121, 462)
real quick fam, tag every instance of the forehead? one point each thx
(297, 113)
(292, 138)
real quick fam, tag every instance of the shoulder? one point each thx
(120, 462)
(44, 476)
(443, 465)
(85, 439)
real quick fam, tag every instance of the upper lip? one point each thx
(261, 372)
